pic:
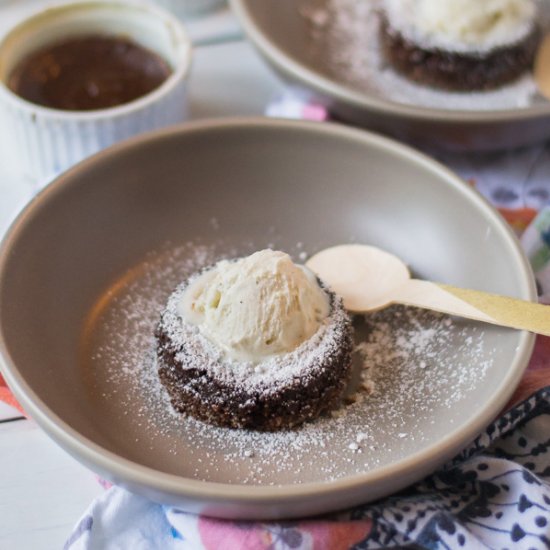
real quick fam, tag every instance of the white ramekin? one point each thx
(48, 141)
(187, 9)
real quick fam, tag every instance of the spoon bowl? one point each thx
(366, 277)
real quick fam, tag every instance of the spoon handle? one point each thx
(474, 304)
(541, 69)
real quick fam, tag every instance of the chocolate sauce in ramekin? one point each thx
(88, 73)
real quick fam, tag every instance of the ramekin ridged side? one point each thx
(48, 141)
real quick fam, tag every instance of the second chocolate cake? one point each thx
(460, 45)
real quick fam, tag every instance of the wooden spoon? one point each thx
(369, 279)
(542, 67)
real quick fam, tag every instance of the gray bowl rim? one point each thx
(131, 472)
(369, 102)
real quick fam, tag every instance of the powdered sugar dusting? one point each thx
(414, 373)
(346, 44)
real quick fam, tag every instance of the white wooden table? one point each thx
(43, 491)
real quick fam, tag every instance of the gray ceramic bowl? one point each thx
(282, 36)
(85, 270)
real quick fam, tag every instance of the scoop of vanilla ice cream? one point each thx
(257, 306)
(463, 24)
